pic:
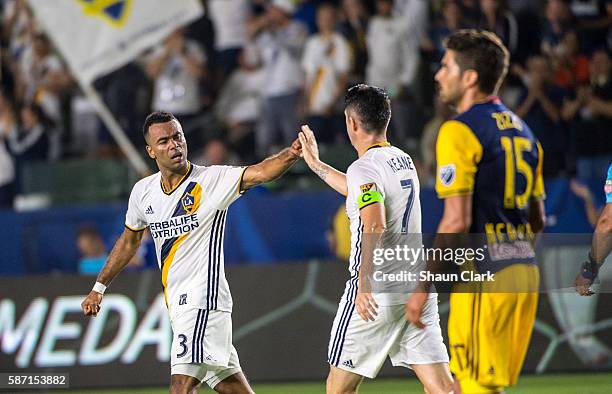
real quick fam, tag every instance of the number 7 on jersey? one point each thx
(407, 184)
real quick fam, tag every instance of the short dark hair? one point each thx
(371, 105)
(155, 118)
(483, 52)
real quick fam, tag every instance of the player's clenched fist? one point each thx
(91, 304)
(296, 148)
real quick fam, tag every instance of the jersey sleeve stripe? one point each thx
(136, 230)
(239, 190)
(455, 193)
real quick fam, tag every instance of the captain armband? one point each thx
(369, 197)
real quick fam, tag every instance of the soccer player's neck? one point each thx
(369, 142)
(470, 98)
(171, 177)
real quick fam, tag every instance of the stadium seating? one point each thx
(77, 180)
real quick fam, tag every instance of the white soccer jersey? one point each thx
(324, 61)
(391, 172)
(187, 225)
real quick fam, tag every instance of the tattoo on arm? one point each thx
(321, 172)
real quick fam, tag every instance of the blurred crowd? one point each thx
(244, 77)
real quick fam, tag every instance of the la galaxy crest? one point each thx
(114, 12)
(368, 187)
(188, 202)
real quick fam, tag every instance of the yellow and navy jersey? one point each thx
(490, 153)
(187, 225)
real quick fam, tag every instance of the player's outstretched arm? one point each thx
(601, 246)
(310, 151)
(124, 250)
(271, 168)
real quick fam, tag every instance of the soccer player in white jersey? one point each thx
(382, 202)
(185, 206)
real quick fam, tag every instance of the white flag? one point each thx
(99, 36)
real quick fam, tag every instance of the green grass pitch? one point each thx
(600, 383)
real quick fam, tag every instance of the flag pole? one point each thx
(115, 129)
(119, 44)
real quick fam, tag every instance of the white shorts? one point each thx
(202, 346)
(362, 347)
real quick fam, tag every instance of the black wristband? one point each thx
(589, 269)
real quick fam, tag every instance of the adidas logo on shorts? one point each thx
(348, 363)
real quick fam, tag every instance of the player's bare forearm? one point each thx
(310, 151)
(124, 250)
(591, 210)
(328, 174)
(374, 225)
(370, 241)
(601, 245)
(373, 218)
(537, 215)
(457, 217)
(270, 169)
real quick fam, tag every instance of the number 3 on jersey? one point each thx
(407, 184)
(183, 345)
(514, 148)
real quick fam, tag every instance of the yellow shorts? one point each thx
(489, 331)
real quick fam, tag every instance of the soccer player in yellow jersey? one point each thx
(489, 173)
